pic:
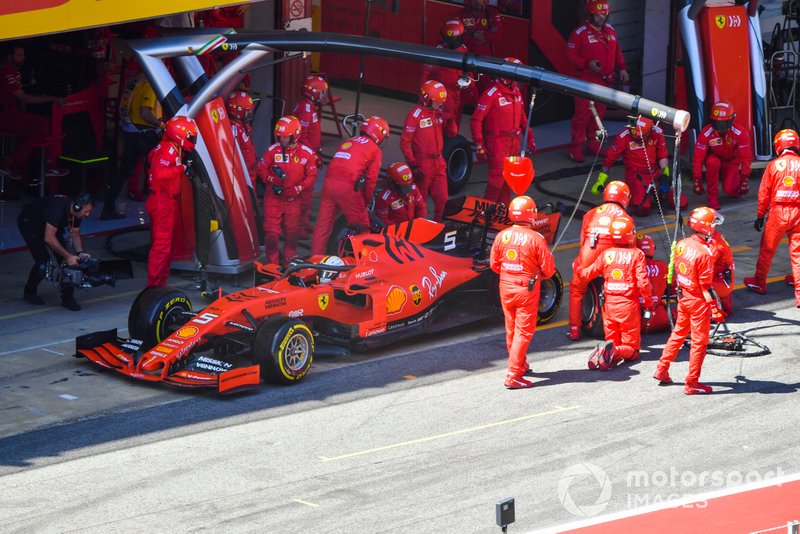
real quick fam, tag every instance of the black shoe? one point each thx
(33, 298)
(111, 216)
(70, 303)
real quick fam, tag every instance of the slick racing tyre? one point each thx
(550, 293)
(284, 349)
(156, 313)
(591, 311)
(457, 153)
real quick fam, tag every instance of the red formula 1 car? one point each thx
(413, 278)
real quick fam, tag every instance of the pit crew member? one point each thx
(401, 200)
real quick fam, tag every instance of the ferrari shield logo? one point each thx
(720, 20)
(323, 300)
(215, 115)
(609, 257)
(506, 238)
(416, 294)
(780, 165)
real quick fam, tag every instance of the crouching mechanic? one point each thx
(401, 201)
(595, 239)
(624, 271)
(779, 195)
(288, 168)
(657, 271)
(697, 305)
(521, 258)
(644, 154)
(167, 171)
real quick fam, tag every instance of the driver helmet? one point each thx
(522, 210)
(704, 220)
(324, 276)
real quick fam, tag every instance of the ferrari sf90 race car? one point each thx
(411, 279)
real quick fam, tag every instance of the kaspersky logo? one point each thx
(11, 8)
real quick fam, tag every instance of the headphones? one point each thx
(79, 203)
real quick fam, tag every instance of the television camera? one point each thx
(90, 272)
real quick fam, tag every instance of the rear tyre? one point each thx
(550, 293)
(156, 313)
(591, 311)
(284, 350)
(457, 153)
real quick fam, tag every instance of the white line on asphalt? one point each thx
(67, 397)
(69, 340)
(311, 504)
(53, 352)
(558, 409)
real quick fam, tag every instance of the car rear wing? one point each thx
(475, 210)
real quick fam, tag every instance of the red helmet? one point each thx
(522, 209)
(622, 231)
(240, 106)
(288, 126)
(722, 114)
(376, 128)
(514, 60)
(617, 192)
(641, 128)
(597, 7)
(314, 87)
(432, 91)
(646, 244)
(786, 140)
(183, 131)
(705, 220)
(452, 32)
(400, 174)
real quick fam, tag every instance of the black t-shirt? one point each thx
(53, 209)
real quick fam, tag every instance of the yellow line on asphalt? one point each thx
(739, 249)
(558, 409)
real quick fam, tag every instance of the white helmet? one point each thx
(328, 276)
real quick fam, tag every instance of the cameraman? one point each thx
(42, 223)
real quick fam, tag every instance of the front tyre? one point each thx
(551, 291)
(284, 350)
(156, 313)
(592, 311)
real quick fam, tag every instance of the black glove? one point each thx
(360, 183)
(279, 172)
(759, 224)
(278, 190)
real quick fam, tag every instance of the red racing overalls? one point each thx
(723, 262)
(499, 119)
(453, 106)
(164, 178)
(392, 207)
(355, 158)
(625, 281)
(244, 138)
(729, 156)
(283, 212)
(779, 195)
(587, 44)
(422, 141)
(311, 135)
(519, 254)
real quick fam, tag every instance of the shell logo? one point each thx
(788, 181)
(511, 254)
(416, 294)
(346, 145)
(605, 220)
(682, 268)
(186, 332)
(395, 300)
(616, 274)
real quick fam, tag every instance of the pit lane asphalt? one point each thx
(418, 437)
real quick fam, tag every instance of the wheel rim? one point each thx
(296, 353)
(173, 320)
(457, 165)
(547, 295)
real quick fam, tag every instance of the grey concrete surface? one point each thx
(417, 437)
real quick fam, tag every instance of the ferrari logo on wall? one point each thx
(720, 20)
(323, 300)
